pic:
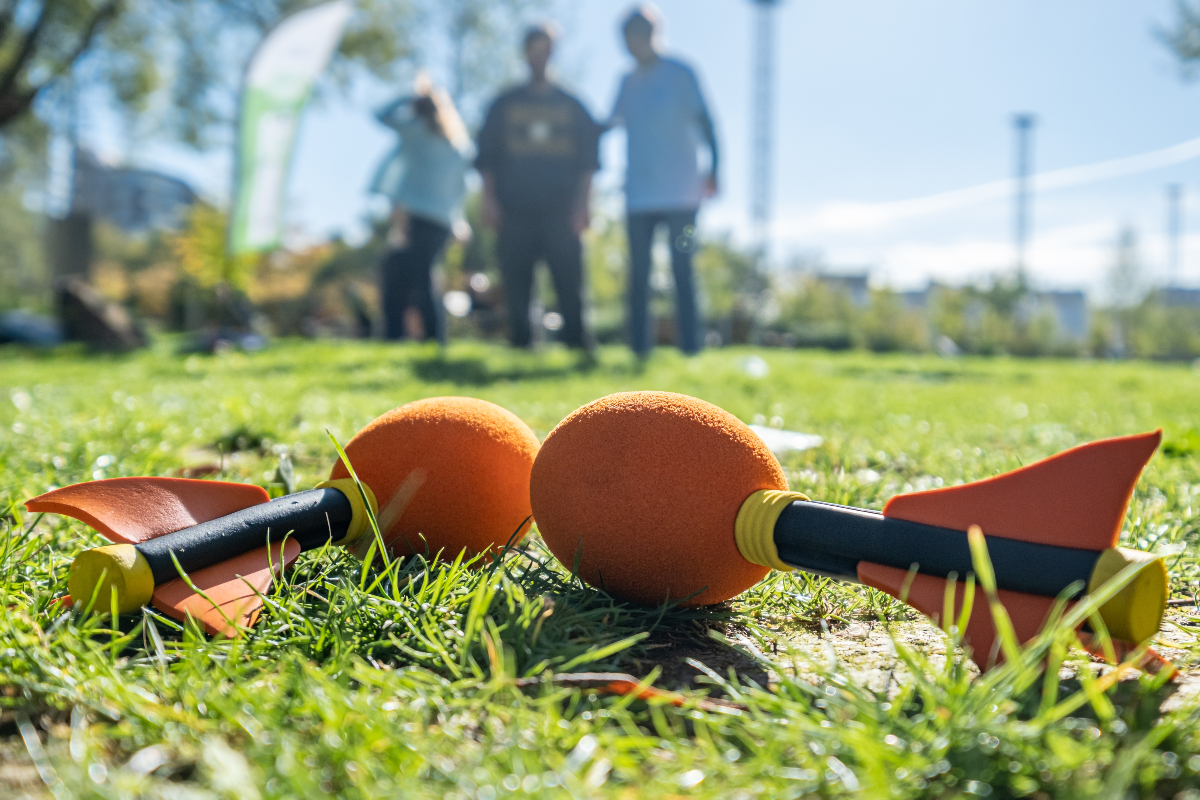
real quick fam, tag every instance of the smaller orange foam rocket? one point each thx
(450, 474)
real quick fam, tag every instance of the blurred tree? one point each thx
(887, 325)
(818, 315)
(40, 42)
(22, 272)
(172, 67)
(727, 277)
(1183, 37)
(485, 46)
(1125, 291)
(1125, 280)
(176, 52)
(177, 63)
(606, 275)
(200, 250)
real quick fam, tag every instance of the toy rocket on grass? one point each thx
(441, 475)
(661, 496)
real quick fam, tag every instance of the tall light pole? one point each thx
(764, 117)
(1174, 232)
(1023, 125)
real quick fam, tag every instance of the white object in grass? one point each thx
(781, 441)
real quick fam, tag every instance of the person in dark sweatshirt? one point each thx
(537, 151)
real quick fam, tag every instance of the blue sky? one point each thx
(878, 101)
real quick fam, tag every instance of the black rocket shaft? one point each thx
(312, 518)
(831, 540)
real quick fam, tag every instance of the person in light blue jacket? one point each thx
(667, 128)
(425, 179)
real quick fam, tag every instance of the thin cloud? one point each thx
(845, 217)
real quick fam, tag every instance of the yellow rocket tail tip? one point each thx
(360, 523)
(119, 567)
(754, 530)
(1134, 613)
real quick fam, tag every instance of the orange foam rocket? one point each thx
(655, 496)
(128, 511)
(442, 476)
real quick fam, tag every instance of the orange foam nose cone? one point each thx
(449, 473)
(644, 489)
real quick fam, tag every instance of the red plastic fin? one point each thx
(1074, 499)
(132, 510)
(1150, 661)
(231, 587)
(927, 594)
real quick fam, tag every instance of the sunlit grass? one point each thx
(425, 679)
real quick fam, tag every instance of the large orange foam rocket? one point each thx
(660, 496)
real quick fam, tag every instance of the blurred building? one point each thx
(852, 285)
(916, 299)
(134, 200)
(1069, 310)
(1178, 297)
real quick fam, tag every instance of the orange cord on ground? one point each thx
(644, 488)
(449, 473)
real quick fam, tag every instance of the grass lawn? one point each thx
(437, 680)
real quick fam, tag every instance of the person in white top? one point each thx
(667, 127)
(425, 178)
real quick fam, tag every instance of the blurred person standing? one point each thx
(666, 122)
(538, 149)
(425, 178)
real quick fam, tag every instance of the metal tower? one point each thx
(1023, 124)
(764, 115)
(1174, 232)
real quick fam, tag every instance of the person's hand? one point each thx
(581, 218)
(490, 211)
(462, 231)
(710, 186)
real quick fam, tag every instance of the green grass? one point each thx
(434, 680)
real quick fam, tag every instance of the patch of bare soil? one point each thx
(19, 779)
(865, 652)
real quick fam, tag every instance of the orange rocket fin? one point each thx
(927, 594)
(1076, 498)
(1028, 613)
(132, 510)
(231, 590)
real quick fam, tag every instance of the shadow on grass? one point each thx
(479, 370)
(673, 644)
(1138, 702)
(914, 374)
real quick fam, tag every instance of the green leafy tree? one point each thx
(177, 52)
(201, 252)
(1183, 36)
(41, 41)
(183, 58)
(485, 45)
(22, 272)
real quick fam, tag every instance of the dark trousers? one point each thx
(527, 235)
(681, 230)
(407, 280)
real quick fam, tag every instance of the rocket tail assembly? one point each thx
(1076, 499)
(222, 597)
